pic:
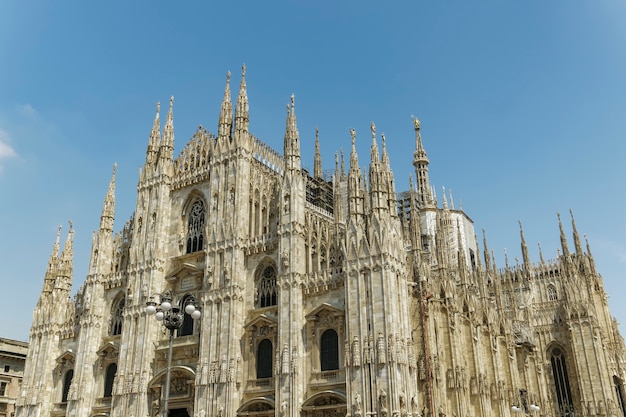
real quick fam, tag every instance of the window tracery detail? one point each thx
(552, 294)
(195, 227)
(117, 317)
(266, 288)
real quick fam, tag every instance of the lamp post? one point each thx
(523, 405)
(172, 318)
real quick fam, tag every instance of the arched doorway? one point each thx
(325, 404)
(179, 412)
(182, 391)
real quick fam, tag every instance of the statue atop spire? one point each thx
(225, 123)
(241, 112)
(168, 130)
(317, 162)
(375, 157)
(577, 245)
(155, 137)
(108, 208)
(354, 159)
(292, 137)
(525, 257)
(563, 238)
(420, 162)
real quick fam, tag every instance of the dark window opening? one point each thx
(109, 377)
(264, 357)
(67, 382)
(329, 350)
(619, 390)
(187, 327)
(565, 403)
(118, 317)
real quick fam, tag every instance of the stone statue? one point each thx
(380, 347)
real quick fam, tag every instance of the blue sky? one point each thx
(523, 109)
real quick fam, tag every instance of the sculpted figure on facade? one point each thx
(450, 378)
(285, 359)
(357, 404)
(223, 370)
(356, 352)
(380, 348)
(391, 347)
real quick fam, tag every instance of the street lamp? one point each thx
(523, 406)
(172, 318)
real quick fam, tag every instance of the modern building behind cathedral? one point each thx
(320, 296)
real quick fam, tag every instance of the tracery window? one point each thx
(109, 377)
(329, 350)
(67, 382)
(561, 383)
(117, 317)
(266, 288)
(264, 359)
(195, 227)
(552, 295)
(187, 327)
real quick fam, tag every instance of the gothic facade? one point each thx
(320, 296)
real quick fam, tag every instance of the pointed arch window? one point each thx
(329, 350)
(552, 294)
(266, 288)
(561, 383)
(117, 317)
(187, 327)
(619, 391)
(67, 383)
(195, 227)
(264, 359)
(109, 377)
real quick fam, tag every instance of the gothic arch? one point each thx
(564, 380)
(117, 314)
(326, 403)
(265, 284)
(194, 214)
(258, 407)
(181, 387)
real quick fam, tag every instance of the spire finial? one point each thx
(108, 208)
(577, 245)
(374, 151)
(385, 155)
(155, 135)
(353, 136)
(343, 165)
(563, 238)
(241, 111)
(317, 160)
(540, 253)
(525, 257)
(416, 122)
(225, 123)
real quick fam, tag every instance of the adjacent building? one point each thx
(12, 358)
(320, 296)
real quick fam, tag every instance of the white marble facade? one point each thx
(320, 297)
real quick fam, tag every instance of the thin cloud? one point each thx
(6, 151)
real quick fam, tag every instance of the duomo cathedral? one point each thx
(303, 294)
